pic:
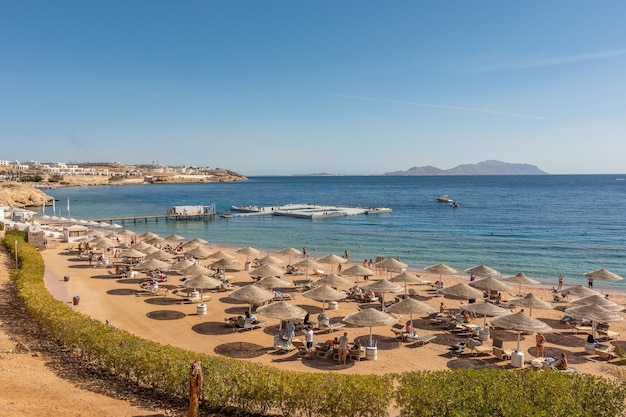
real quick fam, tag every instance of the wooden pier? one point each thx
(203, 213)
(158, 217)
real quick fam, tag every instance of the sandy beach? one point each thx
(170, 320)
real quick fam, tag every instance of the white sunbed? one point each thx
(421, 340)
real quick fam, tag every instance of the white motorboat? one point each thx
(445, 199)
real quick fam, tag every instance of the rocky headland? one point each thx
(22, 195)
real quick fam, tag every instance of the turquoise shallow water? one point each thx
(541, 225)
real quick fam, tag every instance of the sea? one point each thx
(542, 225)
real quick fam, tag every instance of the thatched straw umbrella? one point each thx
(333, 280)
(411, 306)
(482, 271)
(520, 322)
(324, 293)
(406, 277)
(489, 284)
(252, 294)
(370, 317)
(306, 264)
(383, 286)
(332, 259)
(521, 279)
(266, 271)
(531, 301)
(602, 275)
(290, 252)
(391, 265)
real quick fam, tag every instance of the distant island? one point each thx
(490, 167)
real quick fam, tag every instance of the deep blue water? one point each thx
(541, 225)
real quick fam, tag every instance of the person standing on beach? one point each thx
(590, 282)
(343, 349)
(558, 288)
(540, 340)
(345, 254)
(309, 342)
(290, 330)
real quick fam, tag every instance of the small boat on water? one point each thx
(378, 210)
(445, 199)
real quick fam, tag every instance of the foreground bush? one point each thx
(228, 383)
(510, 393)
(247, 387)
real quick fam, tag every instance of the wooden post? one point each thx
(195, 389)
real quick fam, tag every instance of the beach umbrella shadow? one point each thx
(166, 315)
(212, 328)
(122, 291)
(241, 350)
(162, 301)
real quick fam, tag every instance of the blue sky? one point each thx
(289, 87)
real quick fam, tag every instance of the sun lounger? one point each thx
(247, 325)
(479, 349)
(299, 344)
(151, 291)
(581, 329)
(283, 296)
(331, 327)
(458, 348)
(356, 354)
(400, 332)
(606, 354)
(607, 334)
(499, 351)
(284, 345)
(421, 340)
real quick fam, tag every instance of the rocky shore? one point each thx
(16, 194)
(22, 195)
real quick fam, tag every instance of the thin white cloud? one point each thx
(550, 61)
(441, 106)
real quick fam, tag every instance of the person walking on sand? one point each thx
(345, 254)
(590, 282)
(560, 286)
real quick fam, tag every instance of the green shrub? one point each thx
(510, 393)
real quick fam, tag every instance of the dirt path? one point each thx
(38, 383)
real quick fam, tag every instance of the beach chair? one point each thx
(283, 296)
(251, 325)
(606, 354)
(283, 345)
(422, 340)
(300, 345)
(499, 351)
(400, 332)
(479, 349)
(605, 333)
(356, 354)
(579, 328)
(458, 348)
(331, 327)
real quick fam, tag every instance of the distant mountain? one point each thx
(482, 168)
